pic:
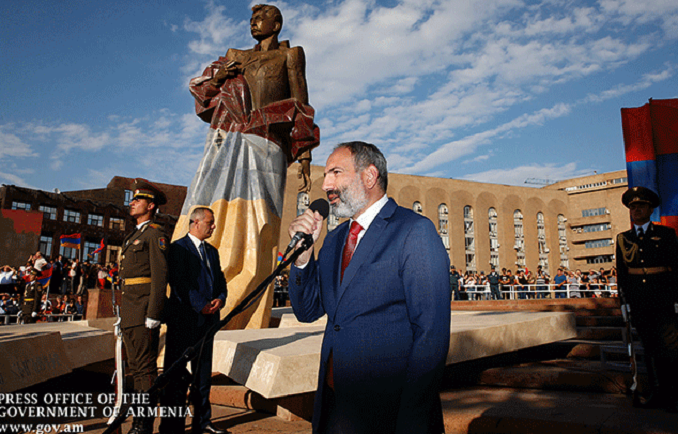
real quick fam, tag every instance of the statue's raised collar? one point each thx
(281, 44)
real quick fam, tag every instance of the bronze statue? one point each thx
(256, 102)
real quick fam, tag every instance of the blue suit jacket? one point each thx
(388, 322)
(191, 285)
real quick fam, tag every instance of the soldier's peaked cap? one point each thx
(639, 195)
(144, 189)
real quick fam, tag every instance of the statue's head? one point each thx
(266, 21)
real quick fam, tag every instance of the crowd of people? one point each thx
(66, 294)
(525, 284)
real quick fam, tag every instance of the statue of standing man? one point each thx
(256, 102)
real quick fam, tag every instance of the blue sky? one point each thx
(488, 90)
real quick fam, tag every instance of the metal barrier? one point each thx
(537, 291)
(7, 318)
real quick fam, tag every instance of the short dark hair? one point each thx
(198, 213)
(366, 154)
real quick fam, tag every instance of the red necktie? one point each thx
(349, 248)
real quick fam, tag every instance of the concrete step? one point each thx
(563, 374)
(581, 307)
(485, 410)
(600, 321)
(600, 333)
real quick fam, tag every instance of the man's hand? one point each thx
(212, 307)
(309, 223)
(226, 71)
(304, 174)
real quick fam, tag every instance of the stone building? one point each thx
(596, 215)
(571, 223)
(95, 214)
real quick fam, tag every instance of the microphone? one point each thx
(323, 209)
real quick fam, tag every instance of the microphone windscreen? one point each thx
(322, 206)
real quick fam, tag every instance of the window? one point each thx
(598, 243)
(68, 252)
(303, 202)
(49, 212)
(21, 205)
(519, 244)
(128, 197)
(597, 228)
(469, 239)
(416, 207)
(494, 238)
(116, 223)
(45, 246)
(600, 259)
(95, 220)
(562, 242)
(594, 212)
(71, 216)
(113, 254)
(623, 180)
(541, 240)
(443, 224)
(89, 247)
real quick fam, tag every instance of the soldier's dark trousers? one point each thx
(141, 345)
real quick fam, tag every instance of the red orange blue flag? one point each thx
(651, 143)
(72, 241)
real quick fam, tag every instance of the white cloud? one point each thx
(12, 145)
(518, 175)
(646, 81)
(14, 179)
(458, 148)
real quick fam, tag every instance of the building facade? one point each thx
(571, 223)
(596, 216)
(98, 214)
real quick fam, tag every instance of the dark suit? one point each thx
(142, 260)
(651, 295)
(388, 325)
(193, 286)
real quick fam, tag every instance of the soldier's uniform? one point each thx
(647, 268)
(32, 299)
(143, 273)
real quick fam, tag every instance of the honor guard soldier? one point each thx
(143, 270)
(32, 297)
(647, 264)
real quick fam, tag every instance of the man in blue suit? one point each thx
(384, 286)
(198, 292)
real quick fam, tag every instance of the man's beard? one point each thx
(352, 198)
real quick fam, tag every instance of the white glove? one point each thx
(34, 314)
(152, 323)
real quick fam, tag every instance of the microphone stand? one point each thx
(178, 369)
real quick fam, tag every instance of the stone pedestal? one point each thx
(100, 304)
(283, 362)
(34, 353)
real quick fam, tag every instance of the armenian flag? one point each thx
(651, 143)
(72, 241)
(98, 250)
(45, 276)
